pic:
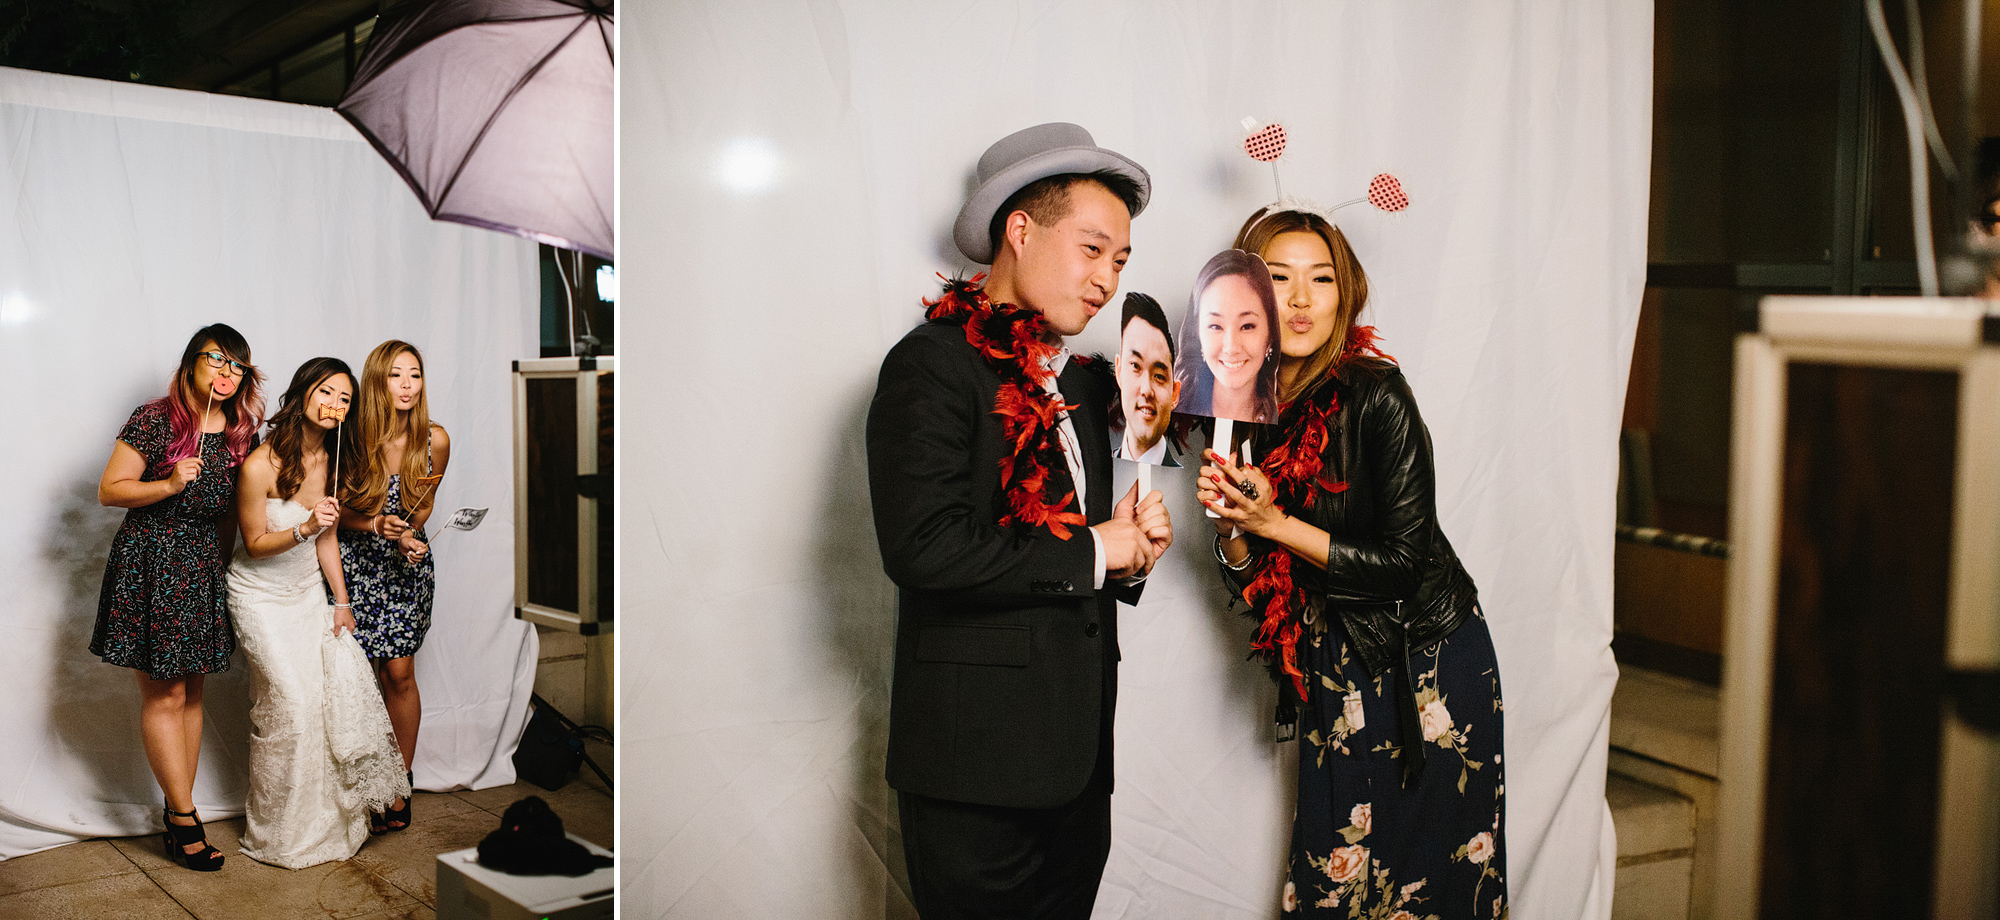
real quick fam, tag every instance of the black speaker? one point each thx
(551, 748)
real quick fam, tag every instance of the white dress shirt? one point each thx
(1073, 454)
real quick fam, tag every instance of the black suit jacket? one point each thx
(1006, 657)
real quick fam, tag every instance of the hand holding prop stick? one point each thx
(1245, 485)
(462, 519)
(419, 492)
(1225, 430)
(200, 423)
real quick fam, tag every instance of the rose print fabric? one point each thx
(1364, 846)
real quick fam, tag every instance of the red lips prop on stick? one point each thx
(201, 422)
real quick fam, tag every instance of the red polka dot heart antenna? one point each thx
(1384, 191)
(1266, 144)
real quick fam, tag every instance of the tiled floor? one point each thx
(394, 876)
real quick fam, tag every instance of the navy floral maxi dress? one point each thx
(392, 598)
(1363, 845)
(1368, 841)
(163, 609)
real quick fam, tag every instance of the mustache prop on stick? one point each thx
(428, 483)
(339, 416)
(414, 500)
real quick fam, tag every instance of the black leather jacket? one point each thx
(1391, 575)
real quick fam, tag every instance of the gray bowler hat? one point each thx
(1022, 157)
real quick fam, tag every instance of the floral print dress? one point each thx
(162, 608)
(391, 597)
(1365, 846)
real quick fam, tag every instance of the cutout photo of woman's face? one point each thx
(1231, 328)
(1234, 336)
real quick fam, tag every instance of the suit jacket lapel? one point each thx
(1092, 434)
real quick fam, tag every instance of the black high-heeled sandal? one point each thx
(179, 836)
(378, 824)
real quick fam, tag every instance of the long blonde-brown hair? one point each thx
(365, 481)
(1265, 226)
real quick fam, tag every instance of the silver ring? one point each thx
(1248, 488)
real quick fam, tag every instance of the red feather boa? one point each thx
(1013, 340)
(1295, 466)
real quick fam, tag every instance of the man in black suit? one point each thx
(1000, 531)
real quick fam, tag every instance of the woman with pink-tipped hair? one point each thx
(163, 610)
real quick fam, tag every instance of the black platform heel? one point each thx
(379, 824)
(178, 836)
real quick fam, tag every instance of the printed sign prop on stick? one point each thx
(462, 519)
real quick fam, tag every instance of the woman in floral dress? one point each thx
(162, 610)
(387, 493)
(1370, 625)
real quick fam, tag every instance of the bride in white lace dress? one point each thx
(322, 753)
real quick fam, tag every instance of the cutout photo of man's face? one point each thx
(1147, 390)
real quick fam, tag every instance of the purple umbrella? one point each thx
(497, 113)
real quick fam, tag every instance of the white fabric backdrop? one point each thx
(130, 216)
(791, 169)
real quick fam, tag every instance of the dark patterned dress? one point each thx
(391, 597)
(163, 609)
(1366, 846)
(1363, 846)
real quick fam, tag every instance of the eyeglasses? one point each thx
(218, 360)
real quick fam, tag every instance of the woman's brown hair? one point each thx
(1265, 226)
(290, 427)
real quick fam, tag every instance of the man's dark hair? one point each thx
(1047, 200)
(1141, 306)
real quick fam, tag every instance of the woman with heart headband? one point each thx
(1367, 620)
(162, 611)
(322, 753)
(395, 460)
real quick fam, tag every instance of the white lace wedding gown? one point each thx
(322, 753)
